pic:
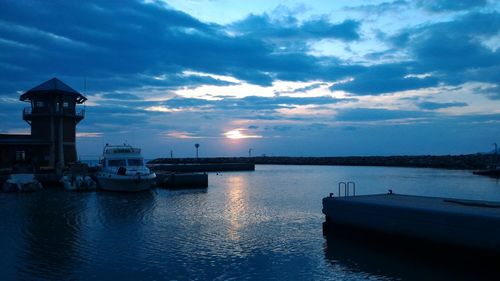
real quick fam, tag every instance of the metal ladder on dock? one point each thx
(347, 189)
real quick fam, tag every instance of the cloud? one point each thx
(369, 114)
(120, 96)
(156, 71)
(450, 5)
(380, 8)
(450, 53)
(141, 44)
(436, 105)
(491, 92)
(182, 135)
(89, 135)
(453, 47)
(385, 78)
(252, 102)
(263, 26)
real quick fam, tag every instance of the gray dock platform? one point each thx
(466, 223)
(182, 180)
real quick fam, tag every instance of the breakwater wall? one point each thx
(466, 162)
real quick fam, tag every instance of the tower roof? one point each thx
(53, 85)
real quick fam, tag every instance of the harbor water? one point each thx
(260, 225)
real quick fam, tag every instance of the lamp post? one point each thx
(496, 148)
(250, 152)
(197, 145)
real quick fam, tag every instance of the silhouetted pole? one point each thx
(250, 152)
(495, 145)
(171, 154)
(197, 146)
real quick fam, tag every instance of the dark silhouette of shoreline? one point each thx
(465, 162)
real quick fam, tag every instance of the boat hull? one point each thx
(125, 183)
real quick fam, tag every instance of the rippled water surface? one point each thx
(258, 225)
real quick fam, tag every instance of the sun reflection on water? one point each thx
(237, 206)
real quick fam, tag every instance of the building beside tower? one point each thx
(53, 114)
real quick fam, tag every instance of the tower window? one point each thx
(20, 155)
(65, 104)
(40, 104)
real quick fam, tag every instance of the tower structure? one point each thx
(53, 116)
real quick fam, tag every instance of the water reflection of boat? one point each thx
(395, 258)
(123, 169)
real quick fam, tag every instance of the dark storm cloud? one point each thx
(450, 5)
(439, 105)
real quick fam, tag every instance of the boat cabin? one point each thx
(121, 156)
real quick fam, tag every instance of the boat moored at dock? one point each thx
(21, 183)
(122, 169)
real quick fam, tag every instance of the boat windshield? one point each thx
(117, 163)
(134, 162)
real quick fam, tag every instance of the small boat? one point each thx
(122, 169)
(78, 183)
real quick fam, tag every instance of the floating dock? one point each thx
(187, 180)
(203, 167)
(470, 224)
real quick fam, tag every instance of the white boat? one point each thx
(78, 183)
(122, 169)
(21, 183)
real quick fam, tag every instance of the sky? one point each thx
(276, 78)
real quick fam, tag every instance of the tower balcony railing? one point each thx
(80, 113)
(28, 113)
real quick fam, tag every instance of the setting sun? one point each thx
(237, 134)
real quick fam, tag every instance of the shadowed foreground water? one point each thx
(262, 225)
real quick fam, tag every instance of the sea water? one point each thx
(260, 225)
